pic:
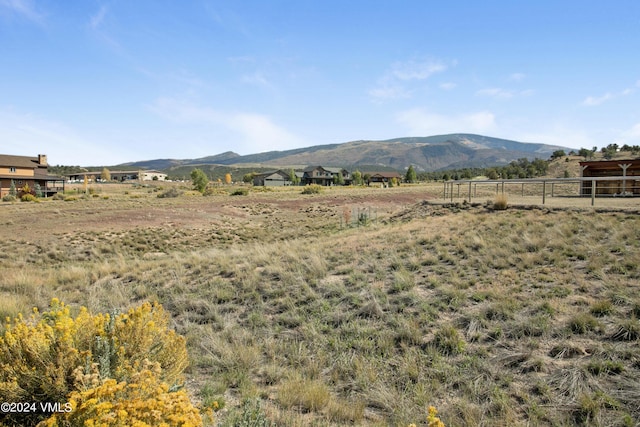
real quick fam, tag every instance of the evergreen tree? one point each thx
(411, 175)
(12, 189)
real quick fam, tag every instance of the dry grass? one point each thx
(494, 317)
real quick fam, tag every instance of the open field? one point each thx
(359, 306)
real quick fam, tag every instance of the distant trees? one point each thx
(521, 168)
(248, 177)
(199, 180)
(357, 177)
(338, 179)
(411, 176)
(586, 153)
(557, 154)
(609, 151)
(295, 179)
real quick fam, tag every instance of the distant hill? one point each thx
(431, 153)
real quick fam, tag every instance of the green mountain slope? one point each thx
(429, 153)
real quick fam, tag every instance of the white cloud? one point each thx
(25, 8)
(397, 80)
(412, 70)
(592, 101)
(252, 133)
(421, 122)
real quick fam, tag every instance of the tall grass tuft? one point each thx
(500, 202)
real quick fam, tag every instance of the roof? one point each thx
(334, 170)
(19, 161)
(385, 174)
(312, 168)
(610, 164)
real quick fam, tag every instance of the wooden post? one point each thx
(624, 179)
(544, 191)
(523, 189)
(582, 169)
(451, 191)
(469, 191)
(502, 187)
(593, 192)
(444, 190)
(552, 185)
(458, 190)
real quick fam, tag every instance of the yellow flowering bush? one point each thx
(144, 402)
(54, 356)
(432, 419)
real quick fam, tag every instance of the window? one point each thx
(12, 170)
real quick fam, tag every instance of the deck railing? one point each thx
(608, 186)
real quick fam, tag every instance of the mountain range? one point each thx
(431, 153)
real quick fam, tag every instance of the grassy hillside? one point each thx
(358, 306)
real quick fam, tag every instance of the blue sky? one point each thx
(91, 82)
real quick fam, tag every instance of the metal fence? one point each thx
(607, 186)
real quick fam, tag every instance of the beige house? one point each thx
(153, 175)
(27, 175)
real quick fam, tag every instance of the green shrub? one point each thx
(250, 415)
(240, 192)
(9, 198)
(601, 308)
(449, 341)
(28, 198)
(172, 192)
(582, 323)
(312, 189)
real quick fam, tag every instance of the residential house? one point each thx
(28, 173)
(383, 178)
(152, 175)
(135, 175)
(627, 170)
(277, 178)
(325, 176)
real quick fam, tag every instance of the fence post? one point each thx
(593, 192)
(544, 191)
(469, 191)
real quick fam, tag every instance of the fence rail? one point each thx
(611, 186)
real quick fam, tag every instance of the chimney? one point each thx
(42, 159)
